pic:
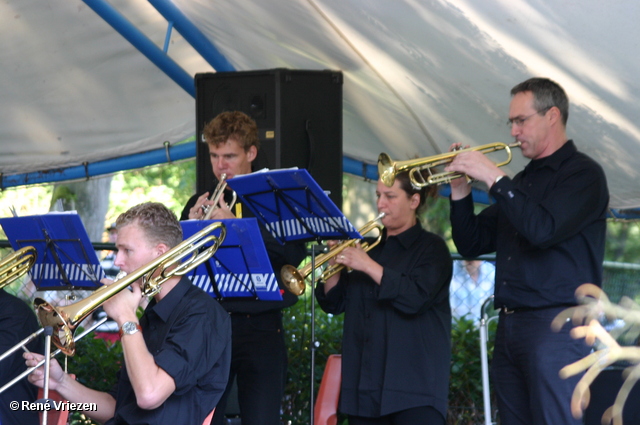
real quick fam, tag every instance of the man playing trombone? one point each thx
(547, 228)
(176, 356)
(259, 358)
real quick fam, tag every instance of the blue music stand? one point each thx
(240, 267)
(292, 206)
(65, 256)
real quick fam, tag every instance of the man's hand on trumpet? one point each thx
(474, 164)
(222, 211)
(203, 203)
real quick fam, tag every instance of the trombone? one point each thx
(55, 353)
(16, 264)
(389, 169)
(293, 279)
(64, 320)
(215, 197)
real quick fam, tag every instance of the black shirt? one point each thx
(547, 228)
(396, 348)
(280, 255)
(189, 336)
(17, 322)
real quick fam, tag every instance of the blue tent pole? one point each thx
(193, 35)
(143, 44)
(85, 171)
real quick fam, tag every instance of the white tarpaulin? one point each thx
(418, 75)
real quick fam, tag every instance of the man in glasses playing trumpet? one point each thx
(547, 228)
(259, 355)
(176, 356)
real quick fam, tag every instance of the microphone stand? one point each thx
(48, 331)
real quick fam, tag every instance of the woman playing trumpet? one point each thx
(397, 325)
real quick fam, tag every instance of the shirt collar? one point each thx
(166, 305)
(409, 236)
(555, 159)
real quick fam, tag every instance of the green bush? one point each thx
(466, 406)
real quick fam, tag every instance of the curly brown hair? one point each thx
(232, 125)
(160, 224)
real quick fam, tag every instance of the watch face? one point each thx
(129, 327)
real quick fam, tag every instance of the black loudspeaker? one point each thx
(299, 118)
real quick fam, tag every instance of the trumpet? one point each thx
(64, 320)
(215, 197)
(16, 264)
(293, 278)
(389, 169)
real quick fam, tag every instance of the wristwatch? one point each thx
(498, 179)
(129, 328)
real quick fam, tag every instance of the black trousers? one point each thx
(259, 363)
(526, 360)
(423, 415)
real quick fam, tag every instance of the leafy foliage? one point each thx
(328, 338)
(465, 388)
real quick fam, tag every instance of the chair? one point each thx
(207, 420)
(55, 417)
(326, 408)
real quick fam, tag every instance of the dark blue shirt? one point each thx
(189, 335)
(396, 345)
(17, 321)
(547, 228)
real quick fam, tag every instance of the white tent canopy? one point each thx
(418, 75)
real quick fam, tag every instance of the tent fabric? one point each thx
(418, 75)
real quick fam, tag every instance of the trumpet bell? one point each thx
(386, 169)
(292, 279)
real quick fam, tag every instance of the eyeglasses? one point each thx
(519, 122)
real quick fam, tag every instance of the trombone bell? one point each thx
(389, 169)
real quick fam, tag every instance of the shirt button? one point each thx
(508, 258)
(504, 283)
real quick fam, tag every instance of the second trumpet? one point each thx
(215, 197)
(293, 278)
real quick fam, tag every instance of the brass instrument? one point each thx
(55, 353)
(388, 169)
(215, 197)
(16, 264)
(293, 278)
(65, 319)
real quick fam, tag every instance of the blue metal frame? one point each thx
(143, 44)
